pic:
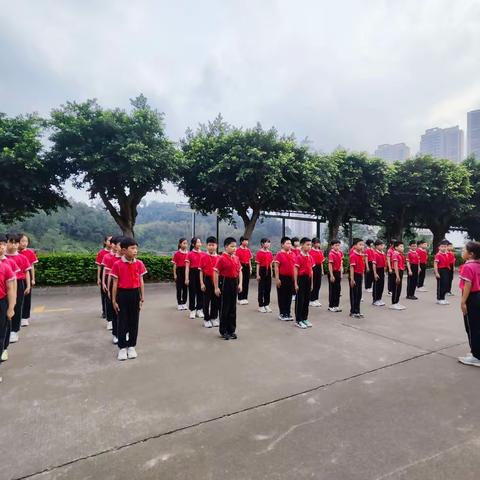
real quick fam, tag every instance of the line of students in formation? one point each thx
(17, 278)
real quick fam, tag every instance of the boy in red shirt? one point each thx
(128, 294)
(378, 268)
(303, 283)
(7, 301)
(264, 259)
(284, 265)
(32, 258)
(397, 262)
(108, 261)
(98, 261)
(451, 256)
(335, 269)
(192, 278)
(422, 251)
(178, 260)
(391, 273)
(413, 262)
(228, 282)
(441, 266)
(357, 269)
(318, 259)
(370, 256)
(210, 300)
(470, 303)
(245, 256)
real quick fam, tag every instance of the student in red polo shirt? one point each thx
(397, 261)
(470, 303)
(357, 269)
(441, 266)
(296, 245)
(23, 283)
(245, 256)
(284, 264)
(7, 301)
(128, 295)
(228, 282)
(303, 283)
(422, 251)
(451, 256)
(264, 259)
(391, 273)
(33, 260)
(335, 269)
(413, 262)
(318, 259)
(192, 278)
(369, 256)
(98, 261)
(378, 266)
(210, 300)
(178, 260)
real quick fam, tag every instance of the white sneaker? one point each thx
(268, 309)
(450, 294)
(25, 322)
(312, 304)
(114, 340)
(300, 325)
(443, 302)
(422, 289)
(338, 309)
(122, 354)
(13, 337)
(179, 307)
(369, 290)
(184, 306)
(207, 324)
(109, 326)
(376, 303)
(215, 322)
(243, 302)
(4, 355)
(469, 360)
(200, 314)
(131, 352)
(380, 303)
(192, 314)
(262, 310)
(389, 294)
(397, 306)
(332, 309)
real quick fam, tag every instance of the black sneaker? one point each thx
(226, 336)
(233, 336)
(414, 298)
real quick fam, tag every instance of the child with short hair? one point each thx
(378, 266)
(264, 260)
(128, 294)
(422, 251)
(98, 261)
(7, 302)
(470, 303)
(318, 259)
(210, 300)
(33, 260)
(178, 260)
(335, 269)
(192, 278)
(245, 256)
(303, 283)
(370, 256)
(441, 267)
(296, 245)
(357, 270)
(413, 262)
(453, 259)
(108, 261)
(227, 280)
(398, 267)
(284, 265)
(391, 273)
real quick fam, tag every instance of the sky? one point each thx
(355, 73)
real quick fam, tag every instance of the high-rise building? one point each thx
(392, 153)
(473, 133)
(443, 143)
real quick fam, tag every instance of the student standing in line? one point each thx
(192, 278)
(245, 256)
(398, 266)
(470, 303)
(357, 270)
(453, 259)
(370, 256)
(228, 283)
(391, 273)
(441, 266)
(413, 262)
(318, 259)
(128, 294)
(284, 264)
(178, 260)
(303, 283)
(422, 251)
(296, 245)
(264, 259)
(210, 300)
(98, 261)
(335, 269)
(7, 302)
(33, 260)
(378, 265)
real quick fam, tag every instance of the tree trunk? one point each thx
(125, 218)
(439, 232)
(249, 222)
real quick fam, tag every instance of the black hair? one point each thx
(116, 239)
(450, 243)
(412, 242)
(378, 242)
(242, 238)
(315, 240)
(285, 239)
(228, 241)
(397, 243)
(473, 248)
(21, 235)
(368, 242)
(193, 242)
(444, 242)
(180, 241)
(126, 242)
(295, 239)
(421, 241)
(105, 238)
(3, 238)
(13, 237)
(356, 240)
(392, 242)
(211, 240)
(304, 240)
(264, 240)
(335, 241)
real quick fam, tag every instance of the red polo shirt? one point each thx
(264, 258)
(304, 263)
(452, 258)
(228, 266)
(335, 258)
(471, 273)
(422, 255)
(370, 253)
(108, 261)
(317, 256)
(22, 263)
(128, 273)
(398, 257)
(6, 275)
(357, 261)
(100, 255)
(286, 262)
(30, 254)
(244, 255)
(380, 259)
(207, 264)
(11, 264)
(193, 258)
(413, 257)
(179, 258)
(442, 260)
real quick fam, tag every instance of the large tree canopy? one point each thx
(119, 156)
(29, 181)
(471, 219)
(248, 171)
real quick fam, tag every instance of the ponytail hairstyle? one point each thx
(193, 242)
(180, 241)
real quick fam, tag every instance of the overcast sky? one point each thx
(355, 73)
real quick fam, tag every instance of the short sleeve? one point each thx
(142, 270)
(115, 270)
(467, 273)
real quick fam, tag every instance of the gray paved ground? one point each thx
(377, 398)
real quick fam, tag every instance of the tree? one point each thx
(250, 171)
(118, 156)
(471, 219)
(29, 180)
